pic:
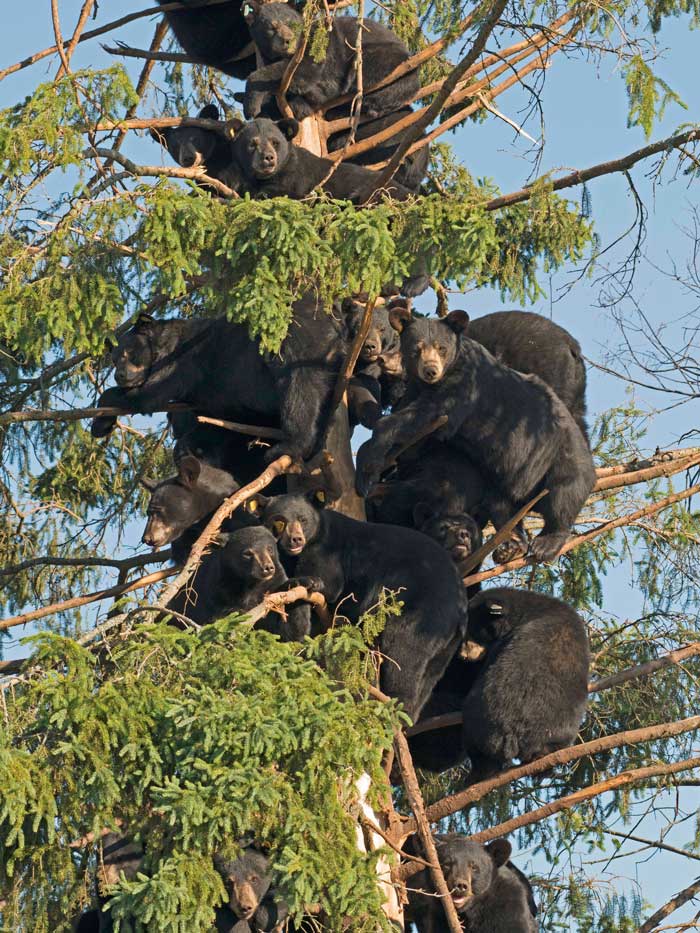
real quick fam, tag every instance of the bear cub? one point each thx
(490, 894)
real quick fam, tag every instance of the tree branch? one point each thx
(457, 802)
(441, 97)
(196, 173)
(643, 670)
(415, 798)
(580, 176)
(687, 894)
(78, 601)
(625, 779)
(108, 27)
(75, 38)
(653, 844)
(584, 538)
(140, 560)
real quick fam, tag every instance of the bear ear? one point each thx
(499, 850)
(188, 470)
(250, 10)
(399, 317)
(148, 483)
(458, 321)
(421, 513)
(318, 498)
(210, 112)
(288, 127)
(256, 504)
(234, 125)
(144, 322)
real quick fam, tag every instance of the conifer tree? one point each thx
(197, 740)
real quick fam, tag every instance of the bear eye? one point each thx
(248, 555)
(253, 879)
(442, 350)
(279, 526)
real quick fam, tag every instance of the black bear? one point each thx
(192, 146)
(380, 355)
(235, 578)
(276, 28)
(240, 455)
(533, 344)
(351, 562)
(181, 505)
(216, 35)
(253, 906)
(439, 749)
(490, 894)
(511, 426)
(431, 480)
(414, 167)
(271, 166)
(531, 693)
(119, 855)
(158, 362)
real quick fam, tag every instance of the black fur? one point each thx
(533, 344)
(119, 855)
(235, 578)
(240, 455)
(443, 748)
(253, 906)
(276, 27)
(158, 362)
(414, 167)
(531, 693)
(271, 166)
(345, 558)
(380, 355)
(511, 426)
(490, 894)
(215, 35)
(181, 505)
(192, 146)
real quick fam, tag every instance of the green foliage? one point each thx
(194, 741)
(648, 95)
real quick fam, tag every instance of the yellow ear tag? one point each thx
(253, 505)
(321, 496)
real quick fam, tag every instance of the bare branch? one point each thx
(140, 560)
(687, 894)
(78, 601)
(108, 27)
(459, 801)
(626, 779)
(584, 538)
(75, 38)
(603, 168)
(441, 97)
(196, 173)
(643, 670)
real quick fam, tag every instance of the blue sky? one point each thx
(585, 107)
